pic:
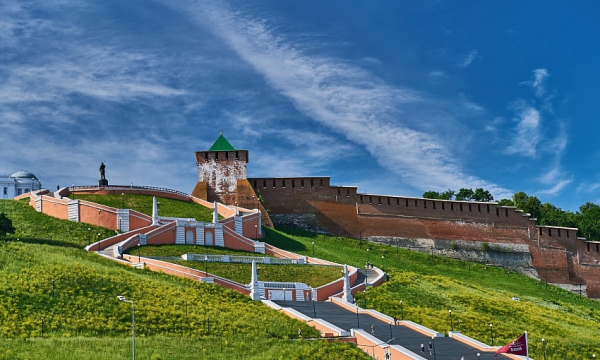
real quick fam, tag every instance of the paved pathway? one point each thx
(445, 348)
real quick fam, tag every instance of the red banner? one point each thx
(517, 347)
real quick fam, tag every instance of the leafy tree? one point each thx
(529, 204)
(465, 194)
(506, 202)
(446, 195)
(589, 221)
(482, 195)
(6, 226)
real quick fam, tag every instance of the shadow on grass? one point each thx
(285, 242)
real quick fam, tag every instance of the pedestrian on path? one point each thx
(430, 346)
(299, 333)
(422, 348)
(372, 329)
(395, 320)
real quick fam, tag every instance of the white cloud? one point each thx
(557, 188)
(468, 58)
(538, 82)
(527, 136)
(345, 98)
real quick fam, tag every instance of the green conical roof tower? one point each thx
(221, 144)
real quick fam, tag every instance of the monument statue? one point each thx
(103, 181)
(102, 171)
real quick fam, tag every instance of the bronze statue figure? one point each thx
(102, 173)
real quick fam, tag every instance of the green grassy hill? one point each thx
(143, 204)
(477, 295)
(46, 275)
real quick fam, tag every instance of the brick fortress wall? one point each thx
(220, 171)
(313, 204)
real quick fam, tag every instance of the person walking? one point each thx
(422, 348)
(430, 346)
(395, 320)
(372, 329)
(299, 333)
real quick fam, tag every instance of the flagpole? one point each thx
(527, 345)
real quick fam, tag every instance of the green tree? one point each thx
(482, 195)
(529, 204)
(465, 194)
(506, 202)
(446, 195)
(589, 221)
(6, 226)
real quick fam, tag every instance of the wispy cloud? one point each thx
(538, 82)
(467, 59)
(347, 99)
(527, 136)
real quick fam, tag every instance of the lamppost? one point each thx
(98, 238)
(73, 192)
(89, 236)
(206, 265)
(433, 346)
(314, 309)
(544, 347)
(122, 298)
(401, 311)
(478, 356)
(313, 244)
(256, 230)
(382, 258)
(139, 252)
(186, 312)
(367, 255)
(451, 323)
(492, 333)
(122, 200)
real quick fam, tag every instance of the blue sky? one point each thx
(397, 97)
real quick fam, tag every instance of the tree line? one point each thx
(587, 219)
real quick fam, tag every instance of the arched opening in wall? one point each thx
(424, 204)
(567, 232)
(452, 206)
(264, 184)
(312, 182)
(549, 232)
(397, 202)
(205, 156)
(283, 183)
(497, 212)
(189, 237)
(488, 208)
(406, 202)
(379, 200)
(479, 207)
(460, 205)
(597, 249)
(293, 183)
(469, 207)
(302, 183)
(588, 247)
(237, 155)
(227, 156)
(208, 238)
(443, 207)
(321, 182)
(433, 204)
(339, 192)
(273, 183)
(255, 184)
(347, 192)
(361, 199)
(416, 203)
(506, 212)
(388, 201)
(370, 200)
(558, 232)
(540, 231)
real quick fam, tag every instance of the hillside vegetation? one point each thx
(143, 203)
(48, 283)
(478, 295)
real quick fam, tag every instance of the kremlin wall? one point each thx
(484, 232)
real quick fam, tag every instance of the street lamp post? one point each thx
(478, 356)
(256, 230)
(451, 323)
(401, 311)
(314, 309)
(139, 252)
(544, 347)
(433, 346)
(206, 265)
(367, 255)
(122, 298)
(492, 333)
(382, 258)
(89, 236)
(122, 200)
(313, 244)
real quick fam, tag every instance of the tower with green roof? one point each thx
(219, 170)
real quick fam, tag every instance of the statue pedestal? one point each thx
(102, 182)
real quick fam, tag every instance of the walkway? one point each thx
(445, 348)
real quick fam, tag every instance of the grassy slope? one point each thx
(81, 313)
(143, 204)
(478, 295)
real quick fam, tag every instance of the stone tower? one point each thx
(219, 170)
